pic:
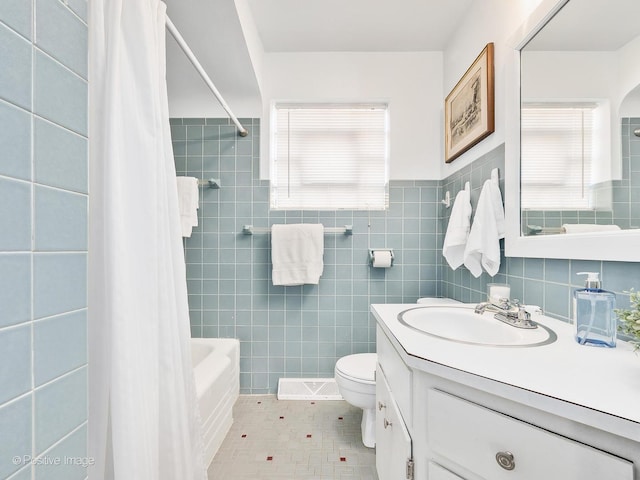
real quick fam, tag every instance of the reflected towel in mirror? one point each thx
(585, 228)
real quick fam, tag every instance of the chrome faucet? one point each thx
(510, 312)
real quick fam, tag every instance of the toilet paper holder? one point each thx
(372, 254)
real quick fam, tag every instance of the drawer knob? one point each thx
(506, 460)
(387, 423)
(381, 406)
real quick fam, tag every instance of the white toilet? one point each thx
(355, 376)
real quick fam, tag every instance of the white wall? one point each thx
(487, 21)
(411, 83)
(569, 75)
(213, 31)
(414, 84)
(630, 79)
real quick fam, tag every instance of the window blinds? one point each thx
(329, 157)
(557, 151)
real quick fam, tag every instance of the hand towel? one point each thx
(455, 240)
(188, 203)
(296, 253)
(483, 244)
(579, 228)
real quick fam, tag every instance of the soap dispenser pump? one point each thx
(594, 313)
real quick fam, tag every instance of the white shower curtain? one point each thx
(143, 417)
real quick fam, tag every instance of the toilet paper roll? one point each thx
(381, 259)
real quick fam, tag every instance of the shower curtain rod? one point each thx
(192, 58)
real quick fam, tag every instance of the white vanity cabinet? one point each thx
(498, 447)
(455, 425)
(392, 435)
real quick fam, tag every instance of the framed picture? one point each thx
(469, 108)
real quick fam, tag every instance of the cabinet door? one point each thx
(398, 375)
(393, 442)
(498, 447)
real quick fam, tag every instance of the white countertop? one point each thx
(605, 381)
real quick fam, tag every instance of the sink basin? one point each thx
(461, 324)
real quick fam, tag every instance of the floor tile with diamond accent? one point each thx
(275, 439)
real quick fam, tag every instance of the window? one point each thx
(557, 156)
(329, 157)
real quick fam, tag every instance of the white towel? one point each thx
(296, 253)
(455, 240)
(188, 203)
(586, 228)
(483, 245)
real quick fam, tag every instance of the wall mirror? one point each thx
(573, 132)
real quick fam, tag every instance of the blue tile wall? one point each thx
(15, 74)
(43, 236)
(55, 342)
(61, 35)
(15, 215)
(72, 446)
(301, 331)
(548, 283)
(59, 94)
(17, 15)
(14, 142)
(15, 362)
(59, 157)
(293, 331)
(15, 433)
(626, 192)
(15, 288)
(60, 408)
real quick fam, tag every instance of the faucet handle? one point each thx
(523, 315)
(502, 302)
(534, 309)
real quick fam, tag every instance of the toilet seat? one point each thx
(359, 367)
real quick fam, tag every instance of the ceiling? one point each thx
(590, 25)
(213, 31)
(356, 25)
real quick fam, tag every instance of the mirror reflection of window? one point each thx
(557, 156)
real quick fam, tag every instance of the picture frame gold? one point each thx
(469, 109)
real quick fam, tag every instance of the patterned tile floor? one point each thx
(293, 439)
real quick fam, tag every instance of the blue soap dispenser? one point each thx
(596, 321)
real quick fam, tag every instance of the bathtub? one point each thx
(216, 364)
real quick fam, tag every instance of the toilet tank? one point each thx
(437, 301)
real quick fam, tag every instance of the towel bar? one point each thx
(250, 230)
(211, 183)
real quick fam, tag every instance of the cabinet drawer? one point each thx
(475, 438)
(397, 373)
(436, 472)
